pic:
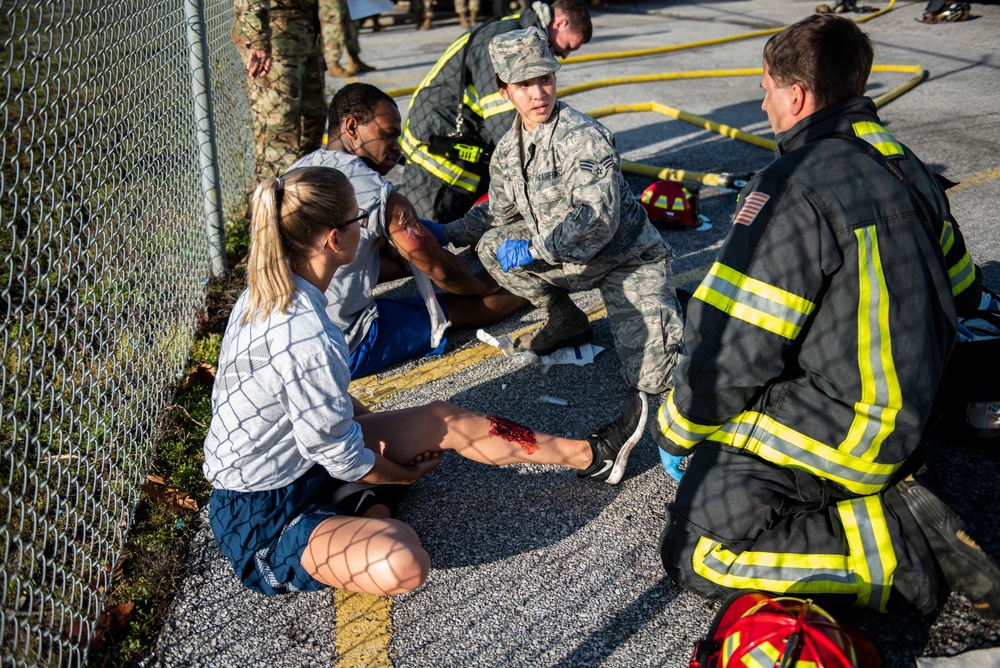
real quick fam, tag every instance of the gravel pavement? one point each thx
(533, 567)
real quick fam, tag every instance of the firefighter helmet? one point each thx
(942, 10)
(764, 630)
(669, 204)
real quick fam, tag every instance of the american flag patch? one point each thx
(755, 202)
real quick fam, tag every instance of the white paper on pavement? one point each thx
(359, 9)
(578, 355)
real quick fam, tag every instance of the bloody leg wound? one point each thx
(513, 432)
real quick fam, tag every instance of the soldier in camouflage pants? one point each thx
(642, 306)
(279, 42)
(467, 11)
(340, 34)
(424, 12)
(561, 219)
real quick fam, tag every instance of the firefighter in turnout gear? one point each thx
(457, 115)
(816, 345)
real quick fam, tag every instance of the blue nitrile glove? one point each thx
(437, 229)
(514, 253)
(671, 464)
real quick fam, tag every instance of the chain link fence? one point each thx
(111, 167)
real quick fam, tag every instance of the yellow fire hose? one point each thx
(721, 180)
(637, 53)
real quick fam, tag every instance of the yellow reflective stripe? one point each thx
(963, 274)
(947, 239)
(857, 549)
(781, 445)
(495, 104)
(881, 397)
(730, 646)
(870, 546)
(767, 655)
(443, 169)
(451, 50)
(682, 432)
(759, 657)
(769, 571)
(764, 655)
(766, 306)
(879, 137)
(470, 98)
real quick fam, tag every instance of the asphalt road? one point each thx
(532, 566)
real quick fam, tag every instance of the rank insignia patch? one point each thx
(598, 169)
(751, 207)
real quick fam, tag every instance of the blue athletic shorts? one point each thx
(402, 331)
(263, 534)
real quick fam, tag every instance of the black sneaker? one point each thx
(355, 498)
(966, 568)
(612, 443)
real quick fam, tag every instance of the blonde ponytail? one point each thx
(289, 214)
(269, 277)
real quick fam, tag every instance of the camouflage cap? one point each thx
(520, 55)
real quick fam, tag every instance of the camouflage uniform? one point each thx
(424, 11)
(587, 231)
(463, 6)
(289, 111)
(340, 33)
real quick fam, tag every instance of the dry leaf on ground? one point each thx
(174, 499)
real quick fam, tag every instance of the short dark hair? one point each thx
(578, 16)
(355, 99)
(826, 54)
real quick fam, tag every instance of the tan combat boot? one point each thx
(463, 20)
(472, 18)
(425, 24)
(357, 65)
(337, 71)
(565, 325)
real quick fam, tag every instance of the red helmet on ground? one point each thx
(760, 630)
(669, 204)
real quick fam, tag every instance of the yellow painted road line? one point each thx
(364, 629)
(976, 180)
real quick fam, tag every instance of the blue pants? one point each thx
(401, 332)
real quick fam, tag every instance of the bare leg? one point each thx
(403, 435)
(481, 311)
(367, 555)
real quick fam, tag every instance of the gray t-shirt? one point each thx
(280, 401)
(351, 302)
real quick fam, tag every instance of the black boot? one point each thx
(966, 568)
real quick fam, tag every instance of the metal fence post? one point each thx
(208, 154)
